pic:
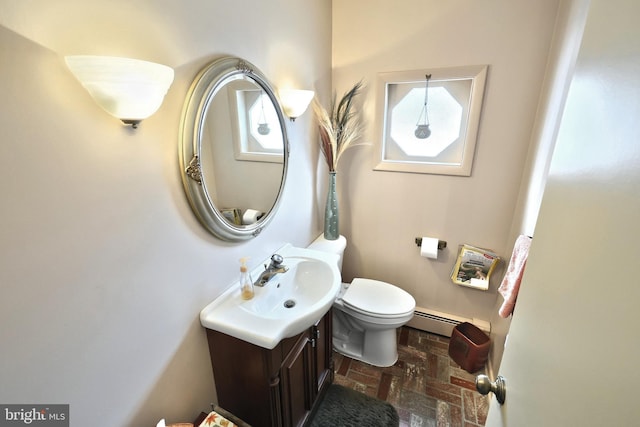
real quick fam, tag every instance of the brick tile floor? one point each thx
(425, 386)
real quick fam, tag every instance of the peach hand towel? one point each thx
(511, 282)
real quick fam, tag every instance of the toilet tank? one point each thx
(332, 246)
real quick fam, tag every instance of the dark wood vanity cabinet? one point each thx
(278, 387)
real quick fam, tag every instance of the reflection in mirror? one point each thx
(243, 175)
(257, 135)
(233, 125)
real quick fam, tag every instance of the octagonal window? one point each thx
(445, 118)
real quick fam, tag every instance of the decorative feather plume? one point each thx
(339, 129)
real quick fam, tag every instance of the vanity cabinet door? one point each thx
(297, 380)
(306, 372)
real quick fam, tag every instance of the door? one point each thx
(573, 352)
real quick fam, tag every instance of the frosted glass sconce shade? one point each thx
(295, 102)
(128, 89)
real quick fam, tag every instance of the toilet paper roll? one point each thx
(429, 247)
(251, 216)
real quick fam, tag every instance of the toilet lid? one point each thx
(378, 298)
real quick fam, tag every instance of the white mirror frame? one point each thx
(476, 74)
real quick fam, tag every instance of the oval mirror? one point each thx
(233, 149)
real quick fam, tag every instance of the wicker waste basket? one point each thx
(469, 347)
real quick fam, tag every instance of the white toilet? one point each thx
(366, 313)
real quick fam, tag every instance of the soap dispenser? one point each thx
(246, 284)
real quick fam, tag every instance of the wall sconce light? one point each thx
(128, 89)
(295, 102)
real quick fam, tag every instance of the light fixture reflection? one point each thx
(295, 101)
(128, 89)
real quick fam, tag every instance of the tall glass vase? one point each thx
(331, 229)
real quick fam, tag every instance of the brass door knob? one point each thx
(498, 388)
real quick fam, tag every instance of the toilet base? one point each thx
(377, 348)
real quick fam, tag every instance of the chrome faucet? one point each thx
(270, 271)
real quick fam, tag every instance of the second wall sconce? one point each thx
(128, 89)
(295, 102)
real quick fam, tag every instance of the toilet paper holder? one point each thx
(441, 243)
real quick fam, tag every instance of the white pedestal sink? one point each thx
(287, 305)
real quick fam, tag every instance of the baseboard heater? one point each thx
(442, 323)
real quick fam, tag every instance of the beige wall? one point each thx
(560, 67)
(382, 212)
(103, 267)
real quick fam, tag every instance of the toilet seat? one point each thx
(378, 299)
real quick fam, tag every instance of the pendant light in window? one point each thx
(422, 127)
(263, 126)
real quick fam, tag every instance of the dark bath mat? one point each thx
(344, 407)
